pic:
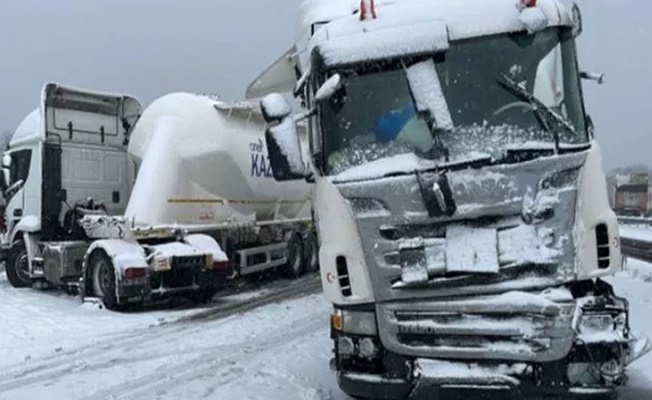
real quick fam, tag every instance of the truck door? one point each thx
(51, 200)
(15, 194)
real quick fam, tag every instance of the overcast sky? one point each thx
(151, 47)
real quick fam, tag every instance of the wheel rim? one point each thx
(102, 278)
(22, 267)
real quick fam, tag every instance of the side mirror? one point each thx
(285, 151)
(275, 108)
(329, 88)
(592, 76)
(577, 20)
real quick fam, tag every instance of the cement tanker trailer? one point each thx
(136, 205)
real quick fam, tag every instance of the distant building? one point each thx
(631, 194)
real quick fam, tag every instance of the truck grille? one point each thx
(511, 233)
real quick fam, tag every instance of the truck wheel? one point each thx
(295, 265)
(103, 278)
(17, 265)
(311, 252)
(203, 296)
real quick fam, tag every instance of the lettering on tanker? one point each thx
(260, 167)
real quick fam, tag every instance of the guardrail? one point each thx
(635, 221)
(635, 248)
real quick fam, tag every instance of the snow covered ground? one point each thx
(51, 346)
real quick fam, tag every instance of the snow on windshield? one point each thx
(388, 108)
(366, 158)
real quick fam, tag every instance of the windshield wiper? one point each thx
(544, 114)
(473, 163)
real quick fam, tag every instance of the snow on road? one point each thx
(280, 351)
(635, 284)
(52, 346)
(37, 323)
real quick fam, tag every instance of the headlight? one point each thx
(596, 323)
(345, 346)
(355, 322)
(368, 348)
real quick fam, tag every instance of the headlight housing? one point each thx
(591, 323)
(354, 322)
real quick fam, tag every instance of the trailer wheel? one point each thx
(295, 264)
(17, 265)
(311, 252)
(103, 279)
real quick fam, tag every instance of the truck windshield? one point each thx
(375, 115)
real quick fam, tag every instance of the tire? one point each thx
(17, 266)
(203, 296)
(311, 252)
(103, 279)
(295, 265)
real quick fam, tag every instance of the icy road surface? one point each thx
(53, 347)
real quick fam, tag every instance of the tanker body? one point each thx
(215, 166)
(128, 205)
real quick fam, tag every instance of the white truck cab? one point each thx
(71, 149)
(459, 198)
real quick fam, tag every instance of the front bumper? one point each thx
(376, 387)
(167, 284)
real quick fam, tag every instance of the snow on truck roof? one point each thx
(465, 18)
(321, 20)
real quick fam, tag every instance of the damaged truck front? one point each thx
(460, 201)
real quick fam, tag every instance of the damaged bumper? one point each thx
(444, 387)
